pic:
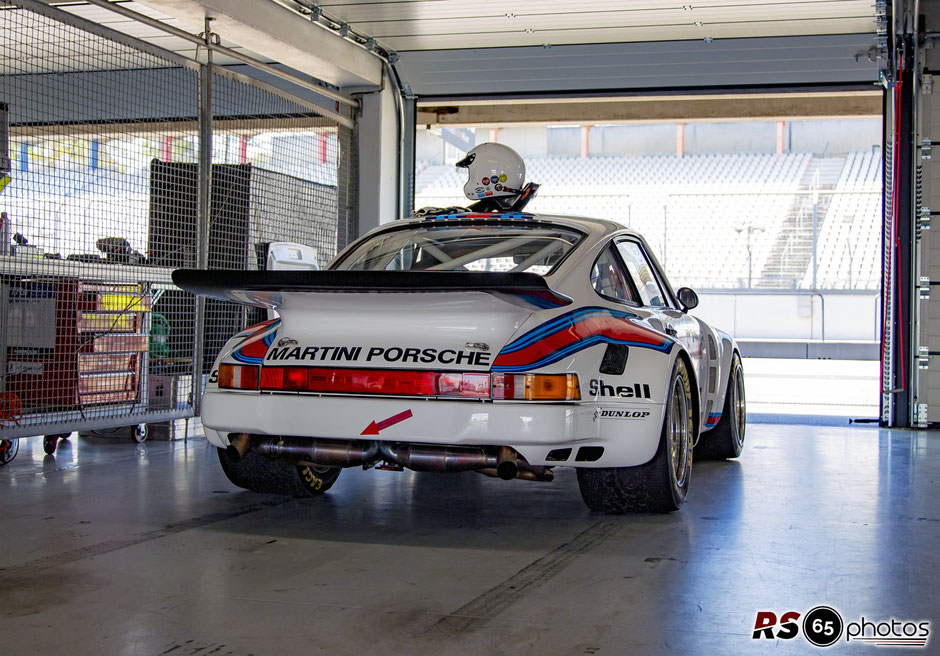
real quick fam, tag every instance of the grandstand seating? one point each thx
(849, 250)
(716, 221)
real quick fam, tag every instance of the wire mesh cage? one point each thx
(101, 194)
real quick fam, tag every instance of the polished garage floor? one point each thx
(114, 548)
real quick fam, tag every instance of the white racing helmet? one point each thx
(495, 170)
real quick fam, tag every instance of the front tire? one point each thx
(661, 485)
(726, 439)
(259, 473)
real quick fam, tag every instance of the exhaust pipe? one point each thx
(507, 463)
(238, 446)
(541, 474)
(418, 457)
(421, 457)
(326, 453)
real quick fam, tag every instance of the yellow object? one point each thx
(123, 302)
(108, 322)
(4, 181)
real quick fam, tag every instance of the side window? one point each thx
(609, 279)
(651, 293)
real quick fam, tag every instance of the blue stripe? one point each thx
(580, 345)
(556, 324)
(244, 358)
(546, 329)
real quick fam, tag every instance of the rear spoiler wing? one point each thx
(264, 288)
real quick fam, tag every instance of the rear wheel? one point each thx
(259, 473)
(662, 484)
(726, 439)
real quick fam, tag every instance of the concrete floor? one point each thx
(114, 548)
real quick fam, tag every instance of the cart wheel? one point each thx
(140, 433)
(49, 443)
(8, 450)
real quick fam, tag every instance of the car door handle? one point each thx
(671, 331)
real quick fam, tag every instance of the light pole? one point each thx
(749, 228)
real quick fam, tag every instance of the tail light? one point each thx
(391, 382)
(536, 387)
(375, 381)
(236, 376)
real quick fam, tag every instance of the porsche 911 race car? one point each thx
(507, 344)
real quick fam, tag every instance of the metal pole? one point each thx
(815, 237)
(750, 267)
(665, 232)
(204, 201)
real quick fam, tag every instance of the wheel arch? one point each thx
(696, 401)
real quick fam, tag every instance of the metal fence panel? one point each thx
(105, 153)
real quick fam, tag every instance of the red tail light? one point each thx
(374, 381)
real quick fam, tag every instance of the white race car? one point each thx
(506, 344)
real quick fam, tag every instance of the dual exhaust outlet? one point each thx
(504, 464)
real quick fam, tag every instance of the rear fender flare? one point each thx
(683, 354)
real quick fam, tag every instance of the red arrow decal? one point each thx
(376, 426)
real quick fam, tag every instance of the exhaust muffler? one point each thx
(426, 457)
(327, 453)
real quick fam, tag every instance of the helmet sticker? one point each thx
(502, 177)
(499, 187)
(486, 181)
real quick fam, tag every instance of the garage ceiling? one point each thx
(147, 33)
(406, 25)
(457, 49)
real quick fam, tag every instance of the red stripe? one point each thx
(257, 348)
(619, 329)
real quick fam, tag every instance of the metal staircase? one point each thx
(792, 253)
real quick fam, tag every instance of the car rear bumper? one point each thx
(629, 435)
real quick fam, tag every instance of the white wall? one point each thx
(633, 140)
(834, 137)
(378, 159)
(829, 315)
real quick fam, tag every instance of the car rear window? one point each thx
(515, 248)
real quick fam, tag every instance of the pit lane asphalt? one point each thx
(113, 548)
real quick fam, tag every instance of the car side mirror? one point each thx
(687, 298)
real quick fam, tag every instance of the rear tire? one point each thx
(726, 439)
(661, 485)
(259, 473)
